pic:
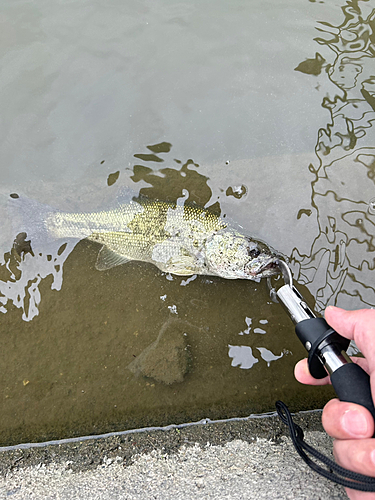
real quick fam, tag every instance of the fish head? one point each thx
(233, 256)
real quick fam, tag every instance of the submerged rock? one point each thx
(167, 359)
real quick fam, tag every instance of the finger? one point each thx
(357, 455)
(358, 325)
(362, 362)
(358, 495)
(343, 420)
(302, 373)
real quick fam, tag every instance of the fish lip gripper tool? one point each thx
(326, 348)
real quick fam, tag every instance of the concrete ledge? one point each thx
(227, 459)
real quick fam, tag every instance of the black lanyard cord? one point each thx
(333, 472)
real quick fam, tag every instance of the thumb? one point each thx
(355, 325)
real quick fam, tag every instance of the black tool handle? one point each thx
(350, 381)
(352, 384)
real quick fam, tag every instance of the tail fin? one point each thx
(42, 255)
(29, 216)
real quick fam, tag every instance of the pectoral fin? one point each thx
(108, 258)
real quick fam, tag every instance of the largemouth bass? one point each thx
(179, 239)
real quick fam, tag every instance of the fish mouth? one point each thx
(268, 268)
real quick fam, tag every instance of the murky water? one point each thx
(264, 112)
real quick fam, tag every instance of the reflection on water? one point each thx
(268, 355)
(339, 268)
(169, 183)
(243, 356)
(23, 272)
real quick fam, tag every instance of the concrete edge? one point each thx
(89, 452)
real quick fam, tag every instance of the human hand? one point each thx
(351, 425)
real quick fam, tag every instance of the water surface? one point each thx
(262, 111)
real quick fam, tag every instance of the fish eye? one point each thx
(253, 252)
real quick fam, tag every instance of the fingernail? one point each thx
(372, 455)
(328, 308)
(354, 423)
(331, 308)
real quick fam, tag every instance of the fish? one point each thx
(181, 239)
